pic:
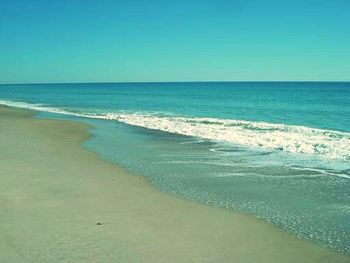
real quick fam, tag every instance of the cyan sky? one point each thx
(160, 40)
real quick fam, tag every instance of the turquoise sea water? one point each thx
(279, 151)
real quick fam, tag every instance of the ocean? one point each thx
(279, 151)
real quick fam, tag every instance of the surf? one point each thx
(328, 144)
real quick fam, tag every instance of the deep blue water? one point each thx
(279, 151)
(321, 105)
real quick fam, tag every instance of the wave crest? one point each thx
(290, 138)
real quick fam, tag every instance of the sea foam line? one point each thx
(290, 138)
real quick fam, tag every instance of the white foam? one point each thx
(295, 139)
(289, 138)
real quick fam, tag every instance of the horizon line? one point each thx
(190, 81)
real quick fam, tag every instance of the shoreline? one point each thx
(62, 203)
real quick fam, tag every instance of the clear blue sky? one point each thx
(183, 40)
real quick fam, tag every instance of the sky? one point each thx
(183, 40)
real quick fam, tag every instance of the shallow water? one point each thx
(279, 151)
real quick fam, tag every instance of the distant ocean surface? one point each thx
(279, 151)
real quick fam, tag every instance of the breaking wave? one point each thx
(290, 138)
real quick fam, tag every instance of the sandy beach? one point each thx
(62, 203)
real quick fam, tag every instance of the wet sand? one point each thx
(62, 203)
